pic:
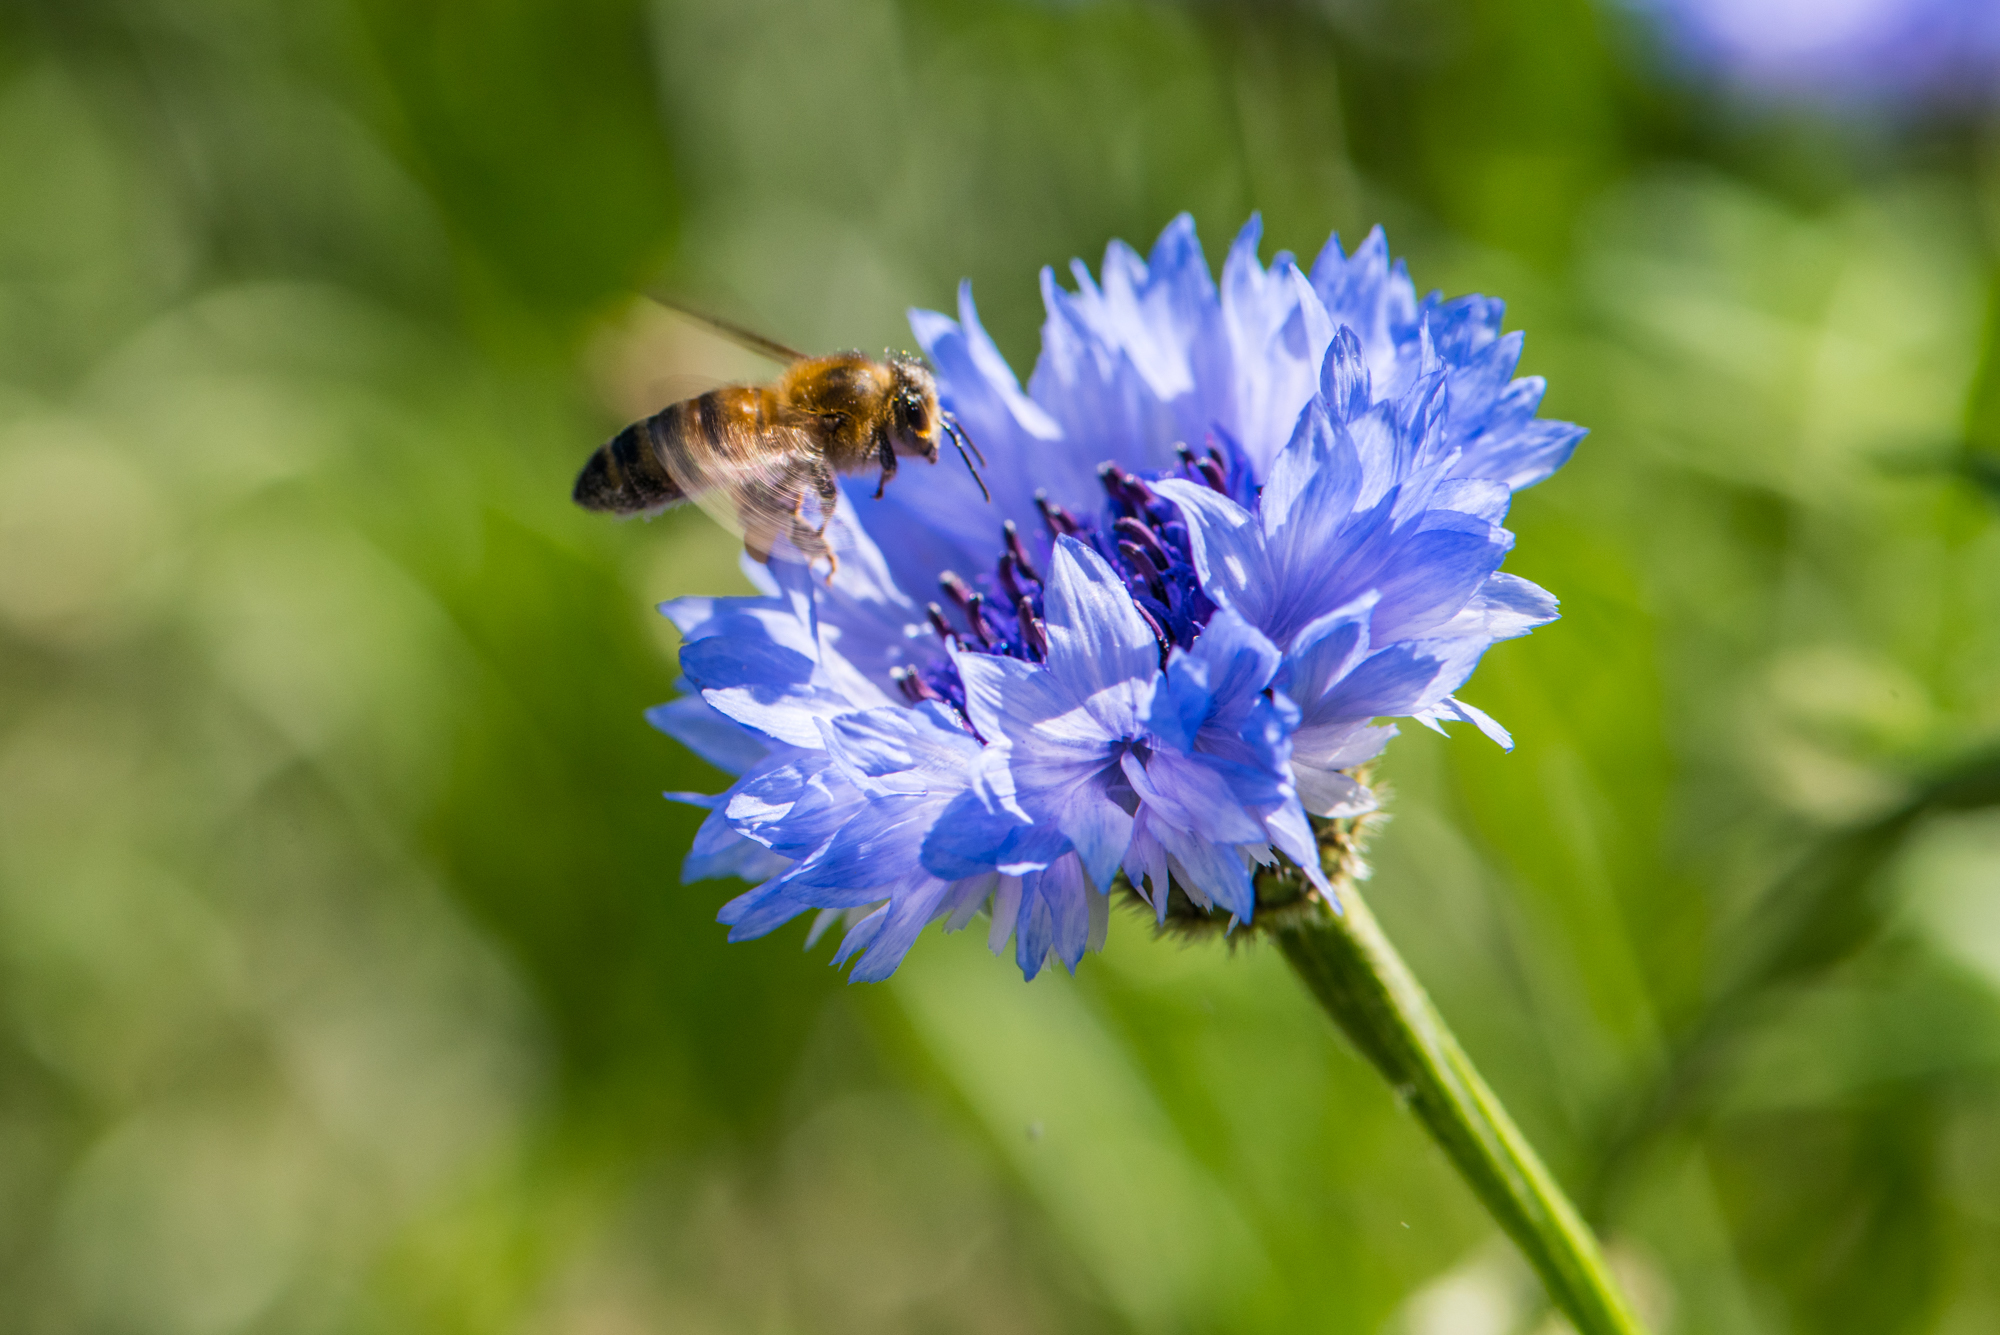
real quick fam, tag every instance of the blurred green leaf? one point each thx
(1840, 1214)
(537, 129)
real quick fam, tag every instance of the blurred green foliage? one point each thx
(346, 983)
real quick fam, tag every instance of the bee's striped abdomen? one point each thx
(626, 476)
(689, 437)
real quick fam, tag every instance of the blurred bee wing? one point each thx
(763, 481)
(735, 333)
(677, 386)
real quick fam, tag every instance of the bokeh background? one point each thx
(346, 981)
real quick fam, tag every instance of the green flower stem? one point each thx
(1377, 1002)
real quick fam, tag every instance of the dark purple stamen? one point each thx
(1060, 521)
(911, 683)
(940, 625)
(980, 632)
(1134, 528)
(1143, 573)
(1159, 635)
(955, 589)
(1010, 583)
(1019, 550)
(1124, 487)
(1147, 540)
(1033, 633)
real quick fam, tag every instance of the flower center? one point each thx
(1138, 532)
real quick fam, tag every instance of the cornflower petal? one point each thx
(1100, 648)
(1055, 915)
(715, 737)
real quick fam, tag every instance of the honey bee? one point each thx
(758, 457)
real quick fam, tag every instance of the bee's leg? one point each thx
(828, 487)
(812, 545)
(888, 457)
(811, 541)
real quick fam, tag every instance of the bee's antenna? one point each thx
(959, 441)
(951, 424)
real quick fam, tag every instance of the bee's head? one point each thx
(915, 422)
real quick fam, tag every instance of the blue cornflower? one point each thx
(1230, 528)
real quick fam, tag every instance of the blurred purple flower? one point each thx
(1231, 528)
(1840, 51)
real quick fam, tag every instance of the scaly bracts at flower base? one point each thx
(1231, 529)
